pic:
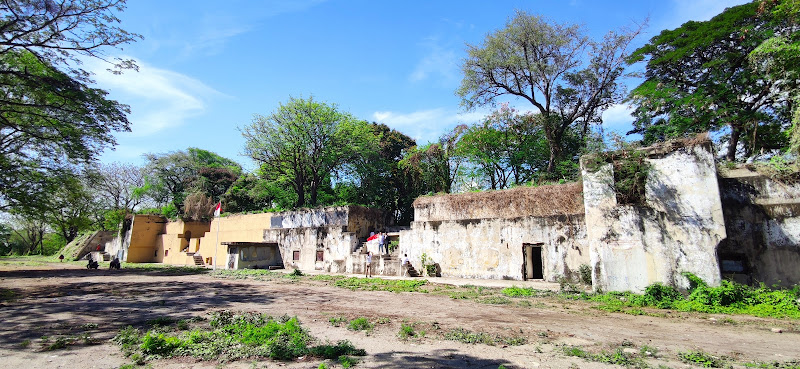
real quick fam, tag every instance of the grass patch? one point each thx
(793, 364)
(378, 284)
(495, 300)
(406, 331)
(701, 358)
(617, 357)
(515, 291)
(465, 336)
(337, 321)
(360, 324)
(231, 336)
(258, 274)
(728, 298)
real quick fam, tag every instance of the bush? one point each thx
(360, 324)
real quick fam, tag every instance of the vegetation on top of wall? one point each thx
(729, 298)
(778, 168)
(630, 172)
(536, 201)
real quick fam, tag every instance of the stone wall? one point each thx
(491, 246)
(763, 227)
(676, 229)
(145, 230)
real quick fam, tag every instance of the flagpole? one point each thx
(217, 211)
(216, 245)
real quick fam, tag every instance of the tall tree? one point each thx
(698, 78)
(569, 78)
(305, 141)
(50, 118)
(779, 55)
(171, 177)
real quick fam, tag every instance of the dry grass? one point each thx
(564, 199)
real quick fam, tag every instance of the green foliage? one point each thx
(698, 79)
(297, 273)
(792, 364)
(347, 362)
(515, 291)
(728, 298)
(406, 331)
(304, 152)
(701, 358)
(337, 320)
(567, 77)
(585, 272)
(328, 351)
(360, 324)
(617, 357)
(378, 284)
(233, 336)
(466, 336)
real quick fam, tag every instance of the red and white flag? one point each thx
(217, 209)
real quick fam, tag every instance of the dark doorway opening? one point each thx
(532, 261)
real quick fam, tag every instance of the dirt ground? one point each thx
(47, 300)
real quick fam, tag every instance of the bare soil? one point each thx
(39, 303)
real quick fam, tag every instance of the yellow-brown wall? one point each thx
(235, 228)
(145, 238)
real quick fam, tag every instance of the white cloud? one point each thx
(160, 99)
(426, 125)
(439, 64)
(618, 119)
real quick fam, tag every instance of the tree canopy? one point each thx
(569, 78)
(303, 142)
(698, 78)
(50, 117)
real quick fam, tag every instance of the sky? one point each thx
(207, 67)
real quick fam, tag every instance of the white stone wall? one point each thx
(676, 230)
(492, 248)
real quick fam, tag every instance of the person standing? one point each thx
(61, 258)
(382, 244)
(404, 265)
(368, 266)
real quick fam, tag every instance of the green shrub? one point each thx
(700, 358)
(360, 324)
(159, 344)
(406, 331)
(515, 291)
(586, 274)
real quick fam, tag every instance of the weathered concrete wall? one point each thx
(248, 257)
(334, 242)
(491, 246)
(763, 227)
(676, 230)
(145, 230)
(234, 228)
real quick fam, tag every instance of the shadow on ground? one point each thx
(439, 359)
(85, 307)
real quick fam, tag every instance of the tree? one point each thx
(117, 184)
(50, 119)
(375, 178)
(508, 148)
(698, 78)
(304, 142)
(173, 176)
(779, 55)
(566, 76)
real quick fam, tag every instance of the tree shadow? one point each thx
(439, 359)
(101, 309)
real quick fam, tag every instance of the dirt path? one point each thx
(45, 302)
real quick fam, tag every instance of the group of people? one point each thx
(382, 238)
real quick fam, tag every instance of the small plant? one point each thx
(384, 320)
(322, 366)
(406, 331)
(515, 291)
(360, 324)
(586, 274)
(495, 300)
(337, 321)
(296, 273)
(701, 358)
(347, 361)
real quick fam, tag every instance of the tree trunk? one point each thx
(733, 143)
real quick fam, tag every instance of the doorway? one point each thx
(532, 261)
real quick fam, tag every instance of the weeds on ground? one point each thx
(258, 274)
(793, 364)
(406, 331)
(378, 284)
(701, 358)
(617, 357)
(728, 298)
(466, 336)
(495, 300)
(232, 336)
(360, 324)
(166, 269)
(337, 321)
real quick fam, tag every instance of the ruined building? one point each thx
(687, 217)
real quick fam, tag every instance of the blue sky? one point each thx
(207, 66)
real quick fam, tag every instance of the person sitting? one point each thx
(114, 264)
(92, 264)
